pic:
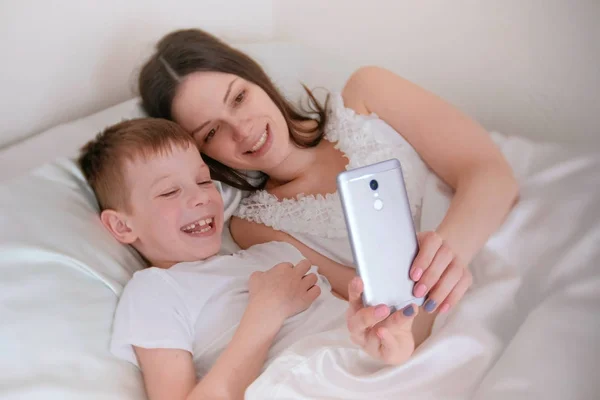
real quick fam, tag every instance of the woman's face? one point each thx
(232, 120)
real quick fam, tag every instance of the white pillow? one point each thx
(61, 274)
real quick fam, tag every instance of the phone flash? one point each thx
(378, 204)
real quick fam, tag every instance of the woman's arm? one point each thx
(454, 146)
(170, 374)
(246, 234)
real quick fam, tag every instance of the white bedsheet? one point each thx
(528, 329)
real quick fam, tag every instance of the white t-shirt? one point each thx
(197, 306)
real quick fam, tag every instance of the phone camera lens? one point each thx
(374, 185)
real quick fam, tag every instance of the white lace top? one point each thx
(318, 221)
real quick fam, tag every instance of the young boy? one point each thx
(195, 313)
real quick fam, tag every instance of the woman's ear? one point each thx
(116, 223)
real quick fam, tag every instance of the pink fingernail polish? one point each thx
(381, 311)
(420, 290)
(417, 273)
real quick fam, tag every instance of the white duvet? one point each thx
(529, 328)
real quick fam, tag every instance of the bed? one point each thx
(528, 329)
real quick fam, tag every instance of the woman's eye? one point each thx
(203, 183)
(240, 97)
(169, 193)
(210, 134)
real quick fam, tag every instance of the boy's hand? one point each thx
(437, 272)
(383, 336)
(284, 290)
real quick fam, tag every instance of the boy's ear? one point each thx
(116, 223)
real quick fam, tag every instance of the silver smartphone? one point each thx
(382, 233)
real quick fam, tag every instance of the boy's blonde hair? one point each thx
(102, 160)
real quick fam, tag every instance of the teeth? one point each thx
(201, 223)
(261, 141)
(189, 227)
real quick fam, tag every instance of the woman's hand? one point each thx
(385, 337)
(438, 273)
(284, 291)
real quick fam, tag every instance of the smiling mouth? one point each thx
(200, 227)
(260, 142)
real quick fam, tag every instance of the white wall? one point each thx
(527, 67)
(67, 58)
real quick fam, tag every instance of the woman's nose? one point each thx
(242, 129)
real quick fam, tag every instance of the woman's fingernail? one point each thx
(420, 290)
(408, 311)
(381, 311)
(444, 308)
(430, 305)
(417, 274)
(355, 283)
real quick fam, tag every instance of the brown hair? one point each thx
(183, 52)
(102, 160)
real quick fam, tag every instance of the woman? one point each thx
(241, 123)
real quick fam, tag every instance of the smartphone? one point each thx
(381, 231)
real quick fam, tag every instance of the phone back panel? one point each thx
(381, 231)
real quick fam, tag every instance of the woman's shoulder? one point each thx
(349, 106)
(353, 93)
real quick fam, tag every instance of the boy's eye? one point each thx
(202, 183)
(210, 134)
(169, 193)
(240, 97)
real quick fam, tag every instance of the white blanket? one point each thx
(529, 328)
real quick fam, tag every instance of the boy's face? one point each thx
(176, 212)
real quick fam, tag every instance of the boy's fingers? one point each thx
(302, 267)
(309, 281)
(312, 293)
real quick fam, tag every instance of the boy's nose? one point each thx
(198, 197)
